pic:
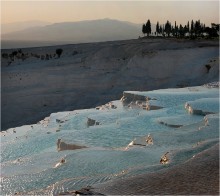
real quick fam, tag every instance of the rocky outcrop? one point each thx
(61, 145)
(91, 122)
(83, 191)
(44, 122)
(149, 140)
(203, 106)
(212, 85)
(164, 159)
(131, 97)
(133, 100)
(141, 141)
(108, 106)
(170, 125)
(60, 121)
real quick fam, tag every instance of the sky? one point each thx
(132, 11)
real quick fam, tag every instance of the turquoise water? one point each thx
(29, 154)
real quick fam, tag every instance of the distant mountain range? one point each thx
(83, 31)
(38, 33)
(18, 26)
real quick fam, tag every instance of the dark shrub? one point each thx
(59, 52)
(47, 57)
(75, 52)
(208, 67)
(42, 57)
(23, 57)
(14, 53)
(5, 55)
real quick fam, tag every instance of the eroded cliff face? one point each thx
(38, 83)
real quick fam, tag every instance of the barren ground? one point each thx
(87, 75)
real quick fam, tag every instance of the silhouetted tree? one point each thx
(5, 55)
(208, 67)
(161, 29)
(158, 28)
(175, 29)
(188, 26)
(192, 28)
(181, 31)
(59, 51)
(213, 31)
(203, 29)
(185, 30)
(168, 28)
(197, 28)
(148, 27)
(215, 26)
(14, 53)
(208, 30)
(144, 29)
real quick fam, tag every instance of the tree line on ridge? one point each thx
(193, 30)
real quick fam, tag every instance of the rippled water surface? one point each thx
(29, 153)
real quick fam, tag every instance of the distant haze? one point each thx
(18, 26)
(133, 11)
(62, 22)
(73, 32)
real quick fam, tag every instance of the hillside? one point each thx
(18, 26)
(78, 32)
(87, 75)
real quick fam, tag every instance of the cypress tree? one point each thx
(175, 29)
(188, 27)
(158, 28)
(148, 27)
(197, 28)
(192, 28)
(168, 28)
(144, 29)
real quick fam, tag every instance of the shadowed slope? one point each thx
(199, 175)
(87, 75)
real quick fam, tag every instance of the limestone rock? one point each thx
(61, 145)
(164, 159)
(91, 122)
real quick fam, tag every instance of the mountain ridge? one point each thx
(19, 26)
(79, 32)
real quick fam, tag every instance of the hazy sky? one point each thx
(133, 11)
